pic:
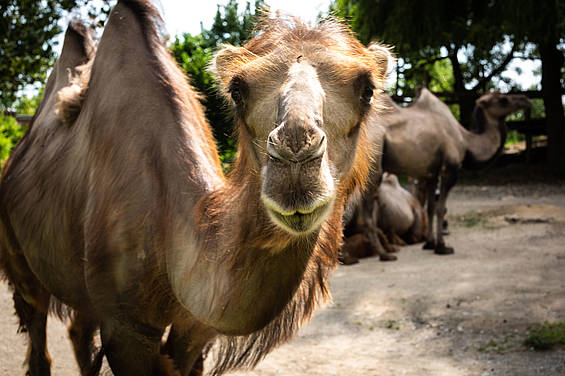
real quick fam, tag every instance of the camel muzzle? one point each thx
(296, 145)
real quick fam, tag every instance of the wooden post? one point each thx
(528, 124)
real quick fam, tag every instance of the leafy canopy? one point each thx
(27, 32)
(194, 53)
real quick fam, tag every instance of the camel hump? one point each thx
(130, 27)
(78, 46)
(72, 71)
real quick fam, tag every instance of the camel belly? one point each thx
(60, 270)
(410, 159)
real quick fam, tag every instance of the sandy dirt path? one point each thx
(465, 314)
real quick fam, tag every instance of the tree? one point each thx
(194, 54)
(27, 32)
(467, 34)
(544, 25)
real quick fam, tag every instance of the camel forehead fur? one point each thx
(329, 46)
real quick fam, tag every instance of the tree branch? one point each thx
(497, 70)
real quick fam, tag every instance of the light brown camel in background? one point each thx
(385, 215)
(118, 207)
(425, 141)
(400, 215)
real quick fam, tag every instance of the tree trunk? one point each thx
(551, 63)
(466, 101)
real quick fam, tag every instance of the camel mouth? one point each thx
(301, 221)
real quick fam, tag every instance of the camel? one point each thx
(386, 215)
(426, 142)
(362, 235)
(401, 216)
(114, 210)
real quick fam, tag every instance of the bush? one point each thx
(10, 134)
(546, 336)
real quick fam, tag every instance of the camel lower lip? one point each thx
(300, 222)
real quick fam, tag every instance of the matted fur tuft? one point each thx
(70, 98)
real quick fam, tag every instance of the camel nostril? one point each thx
(322, 145)
(272, 149)
(323, 142)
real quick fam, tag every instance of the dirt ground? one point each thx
(464, 314)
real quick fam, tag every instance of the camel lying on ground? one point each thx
(115, 204)
(401, 216)
(386, 215)
(425, 141)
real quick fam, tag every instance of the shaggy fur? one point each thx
(115, 203)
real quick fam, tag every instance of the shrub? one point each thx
(10, 134)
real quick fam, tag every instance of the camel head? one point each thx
(498, 105)
(390, 179)
(301, 95)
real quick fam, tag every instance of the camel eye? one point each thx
(236, 95)
(367, 94)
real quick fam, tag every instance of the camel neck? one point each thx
(482, 147)
(237, 271)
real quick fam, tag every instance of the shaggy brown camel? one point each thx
(401, 216)
(425, 141)
(117, 207)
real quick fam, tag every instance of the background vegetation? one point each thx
(457, 49)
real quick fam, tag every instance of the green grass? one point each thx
(472, 219)
(492, 346)
(546, 336)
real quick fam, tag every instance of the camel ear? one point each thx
(383, 57)
(227, 61)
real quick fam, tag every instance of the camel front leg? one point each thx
(377, 238)
(431, 185)
(184, 347)
(81, 332)
(132, 348)
(448, 179)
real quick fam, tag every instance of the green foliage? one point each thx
(513, 137)
(27, 32)
(546, 336)
(538, 108)
(469, 37)
(194, 53)
(25, 105)
(10, 134)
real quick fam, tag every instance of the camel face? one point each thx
(297, 184)
(500, 105)
(307, 151)
(302, 107)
